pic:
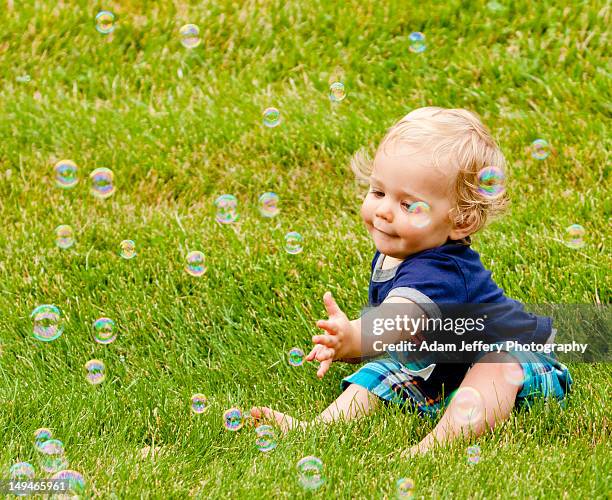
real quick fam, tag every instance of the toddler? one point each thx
(423, 204)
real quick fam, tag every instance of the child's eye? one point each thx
(406, 206)
(377, 193)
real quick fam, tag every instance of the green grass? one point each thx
(538, 69)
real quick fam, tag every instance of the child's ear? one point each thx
(464, 226)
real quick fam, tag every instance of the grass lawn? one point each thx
(181, 127)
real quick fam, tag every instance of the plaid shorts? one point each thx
(544, 376)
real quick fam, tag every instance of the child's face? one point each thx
(404, 176)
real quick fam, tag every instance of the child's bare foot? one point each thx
(284, 421)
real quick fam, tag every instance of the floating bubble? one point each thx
(491, 182)
(195, 264)
(48, 322)
(419, 214)
(404, 488)
(105, 22)
(23, 78)
(310, 472)
(226, 208)
(104, 331)
(417, 42)
(95, 371)
(233, 419)
(573, 236)
(540, 149)
(127, 249)
(268, 204)
(467, 406)
(190, 36)
(41, 435)
(496, 6)
(66, 174)
(271, 117)
(513, 374)
(337, 92)
(296, 357)
(473, 454)
(293, 242)
(102, 183)
(76, 481)
(64, 236)
(266, 438)
(21, 471)
(52, 457)
(199, 403)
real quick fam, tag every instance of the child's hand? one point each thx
(336, 342)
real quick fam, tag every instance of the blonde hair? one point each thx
(456, 136)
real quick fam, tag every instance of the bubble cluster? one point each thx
(233, 419)
(491, 182)
(95, 371)
(21, 471)
(226, 209)
(48, 322)
(190, 36)
(417, 42)
(64, 236)
(104, 331)
(404, 487)
(268, 204)
(266, 438)
(199, 403)
(337, 92)
(195, 264)
(127, 249)
(540, 149)
(102, 183)
(310, 472)
(105, 22)
(52, 458)
(473, 454)
(271, 117)
(467, 406)
(76, 481)
(66, 174)
(419, 214)
(41, 435)
(574, 235)
(293, 242)
(296, 357)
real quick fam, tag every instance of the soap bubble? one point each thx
(266, 438)
(102, 183)
(66, 174)
(23, 78)
(494, 6)
(21, 471)
(76, 481)
(199, 403)
(52, 457)
(293, 242)
(104, 330)
(573, 236)
(226, 208)
(337, 92)
(233, 419)
(127, 249)
(513, 374)
(296, 357)
(95, 371)
(491, 182)
(190, 36)
(64, 236)
(195, 264)
(48, 322)
(540, 149)
(310, 472)
(473, 454)
(271, 117)
(404, 488)
(268, 204)
(417, 42)
(467, 406)
(419, 214)
(105, 22)
(41, 435)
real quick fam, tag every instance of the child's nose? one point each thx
(384, 211)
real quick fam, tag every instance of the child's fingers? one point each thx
(328, 326)
(323, 367)
(330, 304)
(326, 340)
(324, 354)
(313, 353)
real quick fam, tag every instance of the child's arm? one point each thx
(484, 399)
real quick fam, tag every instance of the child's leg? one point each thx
(354, 402)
